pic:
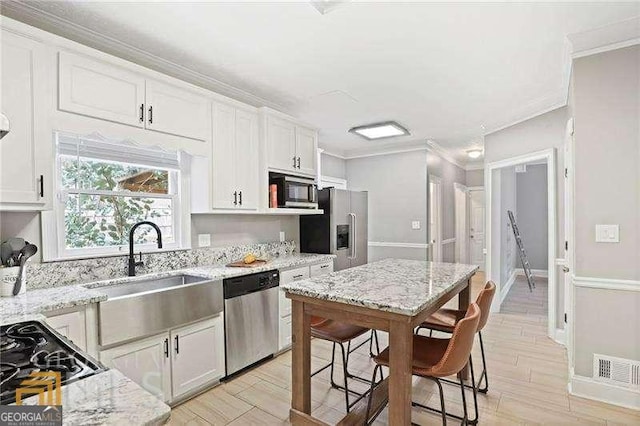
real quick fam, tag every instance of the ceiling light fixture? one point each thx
(387, 129)
(474, 153)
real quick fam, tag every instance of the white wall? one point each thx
(539, 133)
(397, 186)
(531, 214)
(606, 106)
(508, 253)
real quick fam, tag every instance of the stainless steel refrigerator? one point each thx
(341, 230)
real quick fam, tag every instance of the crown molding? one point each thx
(31, 15)
(437, 149)
(470, 167)
(386, 149)
(608, 37)
(333, 154)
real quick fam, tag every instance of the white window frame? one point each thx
(53, 225)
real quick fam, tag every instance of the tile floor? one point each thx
(527, 380)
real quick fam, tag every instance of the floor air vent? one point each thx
(619, 371)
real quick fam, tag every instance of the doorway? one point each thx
(435, 218)
(461, 213)
(503, 251)
(476, 227)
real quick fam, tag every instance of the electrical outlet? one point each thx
(607, 233)
(415, 224)
(282, 236)
(204, 240)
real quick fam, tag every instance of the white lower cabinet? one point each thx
(172, 364)
(72, 326)
(284, 307)
(146, 362)
(197, 355)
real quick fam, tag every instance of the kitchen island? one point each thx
(392, 295)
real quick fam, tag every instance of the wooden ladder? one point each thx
(523, 254)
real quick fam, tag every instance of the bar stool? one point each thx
(445, 320)
(340, 333)
(435, 359)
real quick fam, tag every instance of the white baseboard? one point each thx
(542, 273)
(560, 336)
(587, 387)
(505, 289)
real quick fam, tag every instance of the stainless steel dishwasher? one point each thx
(251, 319)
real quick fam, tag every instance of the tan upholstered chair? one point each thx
(435, 359)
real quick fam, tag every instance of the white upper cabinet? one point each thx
(98, 89)
(101, 90)
(25, 153)
(291, 148)
(176, 111)
(235, 158)
(281, 144)
(246, 159)
(306, 150)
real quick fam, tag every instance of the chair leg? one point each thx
(464, 404)
(443, 411)
(475, 393)
(345, 360)
(370, 417)
(483, 375)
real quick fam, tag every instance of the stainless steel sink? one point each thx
(149, 285)
(147, 307)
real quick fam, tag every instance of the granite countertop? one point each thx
(109, 398)
(401, 286)
(34, 302)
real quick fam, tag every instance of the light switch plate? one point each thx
(282, 236)
(415, 224)
(607, 233)
(204, 240)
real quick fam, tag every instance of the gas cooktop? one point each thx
(30, 346)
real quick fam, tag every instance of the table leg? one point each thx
(400, 358)
(464, 298)
(301, 358)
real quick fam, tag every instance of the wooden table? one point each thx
(400, 327)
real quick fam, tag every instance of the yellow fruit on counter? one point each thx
(250, 258)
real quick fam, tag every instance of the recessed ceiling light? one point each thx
(388, 129)
(474, 153)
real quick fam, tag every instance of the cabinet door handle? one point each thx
(151, 115)
(297, 276)
(41, 186)
(240, 193)
(141, 113)
(235, 198)
(177, 339)
(298, 162)
(294, 161)
(324, 266)
(166, 348)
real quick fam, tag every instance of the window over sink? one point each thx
(104, 187)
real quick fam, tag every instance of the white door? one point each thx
(435, 218)
(569, 239)
(306, 151)
(23, 149)
(146, 362)
(100, 90)
(225, 192)
(281, 144)
(246, 159)
(461, 217)
(197, 355)
(177, 111)
(476, 228)
(72, 326)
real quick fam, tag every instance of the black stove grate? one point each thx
(31, 346)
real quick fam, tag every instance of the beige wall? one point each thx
(606, 104)
(475, 177)
(539, 133)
